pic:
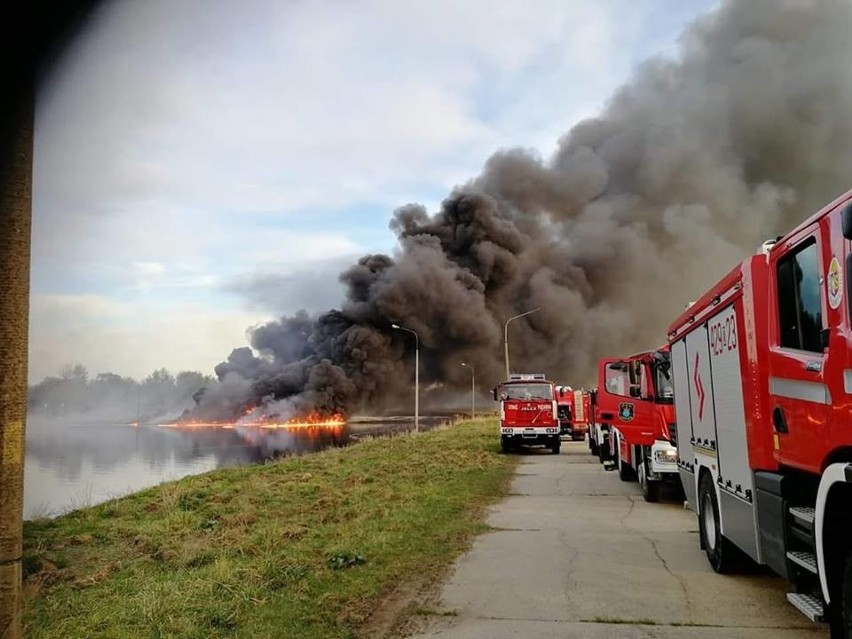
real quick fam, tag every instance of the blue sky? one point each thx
(203, 166)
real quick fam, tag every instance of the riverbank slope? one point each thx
(303, 547)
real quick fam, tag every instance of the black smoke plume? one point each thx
(689, 168)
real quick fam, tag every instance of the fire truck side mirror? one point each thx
(635, 392)
(846, 221)
(494, 393)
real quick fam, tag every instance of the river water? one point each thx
(71, 465)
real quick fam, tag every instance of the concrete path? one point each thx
(578, 553)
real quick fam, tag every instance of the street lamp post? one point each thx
(416, 374)
(506, 335)
(472, 389)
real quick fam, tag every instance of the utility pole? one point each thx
(506, 336)
(416, 374)
(15, 227)
(472, 389)
(37, 32)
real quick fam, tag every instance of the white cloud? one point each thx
(64, 308)
(283, 106)
(153, 248)
(72, 329)
(149, 268)
(183, 144)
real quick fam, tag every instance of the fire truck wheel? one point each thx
(841, 619)
(554, 447)
(651, 491)
(720, 552)
(506, 446)
(593, 447)
(651, 494)
(625, 472)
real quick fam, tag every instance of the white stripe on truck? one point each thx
(798, 389)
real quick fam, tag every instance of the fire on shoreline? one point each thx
(310, 421)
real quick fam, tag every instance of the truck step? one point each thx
(806, 560)
(808, 605)
(804, 514)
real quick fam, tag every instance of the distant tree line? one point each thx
(111, 396)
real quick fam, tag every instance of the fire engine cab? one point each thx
(762, 369)
(636, 408)
(528, 414)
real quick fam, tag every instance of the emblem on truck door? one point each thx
(625, 411)
(834, 283)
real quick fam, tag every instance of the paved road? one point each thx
(578, 553)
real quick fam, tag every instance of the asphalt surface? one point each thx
(575, 552)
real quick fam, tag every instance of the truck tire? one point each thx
(679, 494)
(602, 456)
(505, 446)
(651, 491)
(625, 471)
(841, 617)
(555, 446)
(593, 446)
(721, 553)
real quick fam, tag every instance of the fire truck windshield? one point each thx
(663, 379)
(527, 391)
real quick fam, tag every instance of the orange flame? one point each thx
(313, 420)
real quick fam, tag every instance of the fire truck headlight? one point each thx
(666, 456)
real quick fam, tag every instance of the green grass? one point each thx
(305, 547)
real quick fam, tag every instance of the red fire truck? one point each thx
(564, 396)
(528, 415)
(598, 432)
(763, 391)
(572, 410)
(581, 410)
(636, 408)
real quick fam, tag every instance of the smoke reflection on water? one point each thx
(71, 465)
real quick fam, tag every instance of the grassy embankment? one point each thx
(305, 547)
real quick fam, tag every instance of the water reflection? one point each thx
(70, 465)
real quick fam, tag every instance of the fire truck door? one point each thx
(627, 396)
(683, 421)
(799, 397)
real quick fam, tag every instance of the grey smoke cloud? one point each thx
(690, 166)
(313, 288)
